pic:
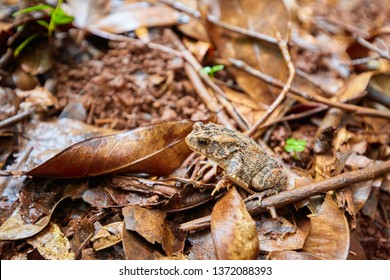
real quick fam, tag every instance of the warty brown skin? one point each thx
(240, 156)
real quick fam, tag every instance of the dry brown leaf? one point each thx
(151, 225)
(107, 236)
(22, 225)
(194, 28)
(329, 236)
(98, 197)
(266, 17)
(354, 87)
(52, 244)
(49, 138)
(155, 149)
(15, 228)
(199, 48)
(281, 235)
(136, 247)
(233, 229)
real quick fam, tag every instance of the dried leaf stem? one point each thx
(294, 92)
(291, 196)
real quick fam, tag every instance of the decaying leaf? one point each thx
(151, 225)
(281, 235)
(156, 149)
(329, 236)
(15, 227)
(233, 229)
(137, 248)
(52, 244)
(31, 217)
(107, 236)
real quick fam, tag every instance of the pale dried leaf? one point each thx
(52, 244)
(107, 236)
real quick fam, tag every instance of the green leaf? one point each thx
(24, 44)
(206, 70)
(217, 68)
(59, 17)
(39, 7)
(291, 141)
(289, 148)
(43, 23)
(299, 149)
(295, 145)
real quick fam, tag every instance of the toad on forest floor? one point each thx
(245, 162)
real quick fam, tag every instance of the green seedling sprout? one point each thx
(295, 145)
(211, 70)
(57, 17)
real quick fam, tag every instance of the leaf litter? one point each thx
(66, 106)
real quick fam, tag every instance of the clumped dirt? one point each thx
(130, 86)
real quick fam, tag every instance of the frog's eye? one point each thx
(203, 142)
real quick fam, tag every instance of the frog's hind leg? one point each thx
(270, 177)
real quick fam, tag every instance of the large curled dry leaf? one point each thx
(233, 229)
(155, 149)
(329, 236)
(266, 17)
(52, 244)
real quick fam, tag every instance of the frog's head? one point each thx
(214, 141)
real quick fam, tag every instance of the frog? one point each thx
(245, 163)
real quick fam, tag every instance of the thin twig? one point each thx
(286, 55)
(16, 118)
(225, 25)
(368, 45)
(295, 116)
(291, 196)
(243, 31)
(358, 110)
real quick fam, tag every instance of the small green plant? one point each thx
(211, 70)
(295, 145)
(57, 17)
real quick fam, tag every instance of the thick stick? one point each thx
(291, 196)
